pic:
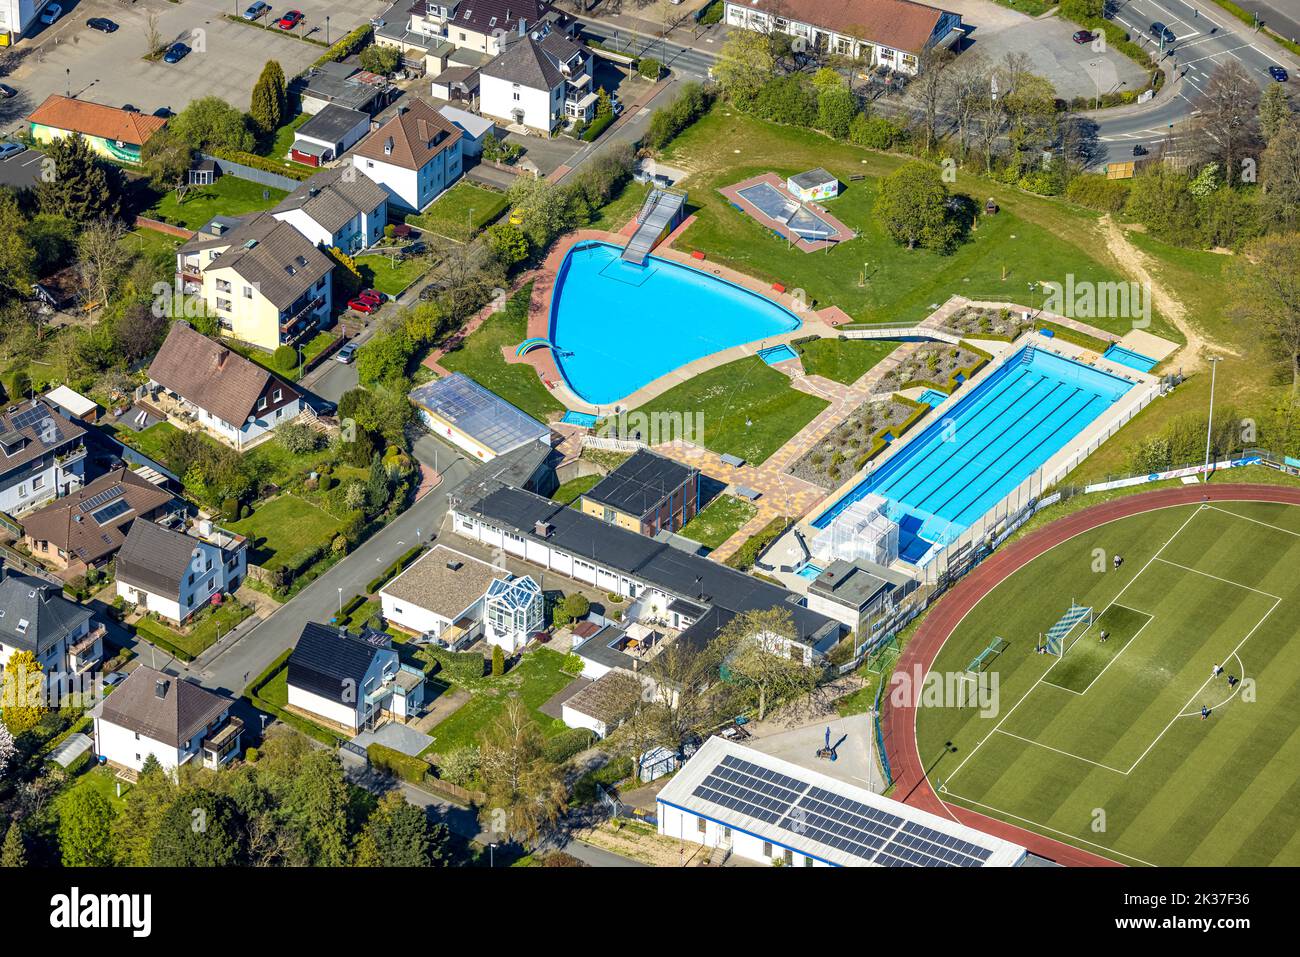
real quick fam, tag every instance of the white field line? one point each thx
(1226, 581)
(1128, 644)
(1068, 754)
(1246, 518)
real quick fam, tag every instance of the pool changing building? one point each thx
(458, 409)
(772, 811)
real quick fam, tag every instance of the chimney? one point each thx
(455, 565)
(160, 688)
(542, 529)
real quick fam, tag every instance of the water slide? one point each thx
(661, 212)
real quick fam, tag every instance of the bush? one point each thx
(230, 508)
(498, 661)
(571, 607)
(1098, 192)
(408, 767)
(596, 127)
(298, 438)
(670, 120)
(458, 667)
(745, 556)
(650, 68)
(875, 132)
(285, 358)
(566, 744)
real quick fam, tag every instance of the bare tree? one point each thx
(1279, 177)
(1268, 297)
(152, 33)
(929, 89)
(763, 652)
(101, 258)
(968, 83)
(1228, 124)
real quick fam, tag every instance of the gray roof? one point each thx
(434, 585)
(48, 615)
(162, 707)
(154, 558)
(609, 699)
(332, 661)
(334, 197)
(32, 429)
(273, 256)
(333, 123)
(525, 62)
(472, 124)
(814, 177)
(640, 483)
(480, 413)
(856, 584)
(339, 84)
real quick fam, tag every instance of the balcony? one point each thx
(296, 325)
(69, 456)
(219, 746)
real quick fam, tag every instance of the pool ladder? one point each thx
(1027, 356)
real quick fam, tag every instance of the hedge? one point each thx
(566, 744)
(878, 443)
(292, 720)
(409, 768)
(347, 45)
(596, 127)
(392, 570)
(262, 163)
(460, 666)
(745, 556)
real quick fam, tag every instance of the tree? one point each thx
(153, 38)
(1279, 178)
(17, 257)
(210, 123)
(912, 206)
(571, 607)
(498, 661)
(930, 87)
(524, 791)
(8, 749)
(200, 828)
(968, 82)
(762, 651)
(1227, 126)
(1159, 198)
(384, 357)
(13, 854)
(23, 697)
(102, 257)
(1274, 111)
(745, 63)
(134, 828)
(270, 99)
(52, 239)
(84, 830)
(166, 159)
(298, 438)
(836, 108)
(316, 804)
(381, 60)
(76, 184)
(1268, 297)
(377, 485)
(400, 834)
(508, 243)
(461, 766)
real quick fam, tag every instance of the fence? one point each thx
(142, 222)
(260, 176)
(611, 445)
(881, 750)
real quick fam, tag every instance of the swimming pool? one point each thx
(1127, 357)
(932, 397)
(618, 326)
(809, 571)
(781, 353)
(584, 419)
(962, 465)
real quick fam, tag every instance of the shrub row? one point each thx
(745, 556)
(409, 768)
(596, 127)
(262, 163)
(253, 696)
(345, 46)
(566, 744)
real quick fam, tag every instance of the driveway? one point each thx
(110, 68)
(22, 170)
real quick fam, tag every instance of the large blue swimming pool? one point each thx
(618, 326)
(962, 465)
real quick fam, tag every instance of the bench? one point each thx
(733, 460)
(744, 491)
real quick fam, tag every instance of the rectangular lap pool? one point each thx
(1127, 357)
(775, 354)
(963, 464)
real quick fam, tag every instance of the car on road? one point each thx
(1162, 32)
(365, 306)
(7, 91)
(1084, 36)
(256, 10)
(175, 53)
(346, 354)
(10, 148)
(51, 13)
(102, 24)
(1279, 74)
(289, 20)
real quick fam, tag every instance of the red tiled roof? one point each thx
(95, 119)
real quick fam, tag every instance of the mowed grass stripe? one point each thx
(1218, 792)
(1089, 656)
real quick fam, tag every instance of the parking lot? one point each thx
(225, 61)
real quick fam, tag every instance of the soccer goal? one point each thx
(1069, 629)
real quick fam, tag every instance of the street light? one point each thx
(340, 600)
(492, 857)
(327, 30)
(1209, 426)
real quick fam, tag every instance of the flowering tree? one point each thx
(7, 749)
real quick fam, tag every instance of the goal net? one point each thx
(1069, 629)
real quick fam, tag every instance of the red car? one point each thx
(290, 20)
(1084, 36)
(366, 306)
(373, 295)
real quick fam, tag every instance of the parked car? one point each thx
(51, 13)
(9, 148)
(7, 91)
(1162, 32)
(1084, 36)
(1279, 74)
(346, 354)
(175, 53)
(114, 678)
(290, 20)
(373, 295)
(256, 10)
(365, 306)
(102, 24)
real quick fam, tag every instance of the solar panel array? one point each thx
(99, 498)
(111, 511)
(838, 822)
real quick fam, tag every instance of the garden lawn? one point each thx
(461, 212)
(719, 520)
(283, 528)
(571, 491)
(479, 357)
(379, 272)
(284, 137)
(150, 441)
(747, 390)
(228, 196)
(150, 241)
(872, 278)
(844, 361)
(616, 214)
(98, 779)
(203, 635)
(537, 677)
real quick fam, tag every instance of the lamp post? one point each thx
(1209, 426)
(492, 855)
(327, 30)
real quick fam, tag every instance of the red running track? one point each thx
(911, 784)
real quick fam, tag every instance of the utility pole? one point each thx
(1209, 427)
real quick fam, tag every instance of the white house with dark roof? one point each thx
(328, 135)
(441, 594)
(35, 617)
(42, 455)
(420, 28)
(351, 681)
(177, 573)
(337, 207)
(203, 382)
(266, 282)
(888, 33)
(153, 713)
(540, 81)
(414, 156)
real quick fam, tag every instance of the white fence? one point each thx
(611, 445)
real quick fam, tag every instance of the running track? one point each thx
(912, 786)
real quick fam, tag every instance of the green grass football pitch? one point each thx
(1104, 747)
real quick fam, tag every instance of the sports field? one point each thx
(1104, 747)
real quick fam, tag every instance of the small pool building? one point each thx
(813, 185)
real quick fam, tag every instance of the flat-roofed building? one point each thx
(648, 493)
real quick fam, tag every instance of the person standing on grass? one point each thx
(1104, 635)
(1218, 670)
(1119, 560)
(1232, 681)
(1205, 712)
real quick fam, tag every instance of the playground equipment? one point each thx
(828, 753)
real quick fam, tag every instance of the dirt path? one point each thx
(1137, 264)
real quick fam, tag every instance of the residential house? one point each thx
(337, 207)
(328, 134)
(267, 283)
(16, 16)
(647, 493)
(441, 595)
(176, 721)
(422, 28)
(414, 156)
(203, 382)
(603, 705)
(176, 573)
(459, 84)
(880, 33)
(42, 455)
(541, 81)
(351, 681)
(35, 617)
(341, 84)
(116, 134)
(85, 529)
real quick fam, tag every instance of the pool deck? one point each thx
(732, 194)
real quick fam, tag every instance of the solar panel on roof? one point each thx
(111, 511)
(99, 498)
